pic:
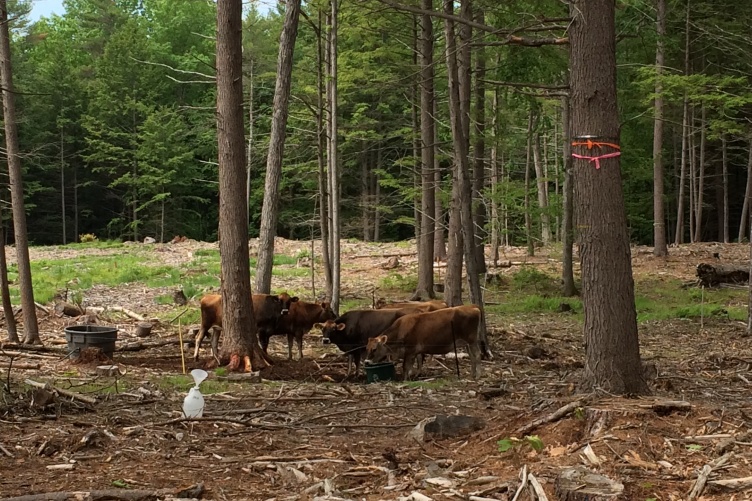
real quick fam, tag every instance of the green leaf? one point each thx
(535, 442)
(694, 447)
(505, 444)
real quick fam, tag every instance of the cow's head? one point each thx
(286, 301)
(328, 328)
(377, 350)
(327, 313)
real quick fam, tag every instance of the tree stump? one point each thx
(179, 297)
(714, 274)
(143, 329)
(580, 484)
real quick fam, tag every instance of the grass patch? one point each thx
(663, 300)
(291, 272)
(433, 384)
(398, 282)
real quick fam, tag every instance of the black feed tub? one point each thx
(90, 336)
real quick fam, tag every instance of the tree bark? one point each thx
(701, 174)
(660, 249)
(528, 160)
(334, 174)
(567, 274)
(747, 195)
(679, 236)
(270, 208)
(377, 195)
(612, 351)
(62, 185)
(249, 151)
(462, 169)
(425, 289)
(692, 176)
(365, 195)
(724, 188)
(495, 222)
(479, 152)
(541, 184)
(15, 174)
(324, 223)
(10, 320)
(239, 339)
(439, 240)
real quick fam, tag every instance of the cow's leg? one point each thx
(356, 361)
(215, 344)
(349, 365)
(420, 361)
(264, 339)
(290, 338)
(474, 351)
(197, 343)
(299, 339)
(407, 365)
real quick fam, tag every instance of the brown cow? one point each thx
(267, 310)
(350, 331)
(434, 333)
(423, 306)
(298, 322)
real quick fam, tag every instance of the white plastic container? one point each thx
(193, 405)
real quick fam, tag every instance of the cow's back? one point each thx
(436, 332)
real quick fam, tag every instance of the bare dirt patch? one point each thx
(306, 432)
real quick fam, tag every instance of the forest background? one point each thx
(116, 103)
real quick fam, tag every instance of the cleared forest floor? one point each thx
(305, 432)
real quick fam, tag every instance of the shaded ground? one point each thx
(305, 432)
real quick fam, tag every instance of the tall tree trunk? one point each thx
(365, 195)
(479, 152)
(377, 195)
(528, 159)
(462, 167)
(701, 173)
(414, 112)
(495, 222)
(567, 274)
(239, 329)
(439, 240)
(249, 151)
(612, 350)
(162, 218)
(541, 183)
(660, 249)
(334, 174)
(679, 236)
(31, 328)
(724, 189)
(75, 203)
(425, 288)
(270, 209)
(134, 172)
(692, 177)
(10, 320)
(747, 195)
(62, 184)
(324, 223)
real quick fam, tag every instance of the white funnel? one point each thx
(193, 405)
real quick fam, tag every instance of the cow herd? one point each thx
(404, 330)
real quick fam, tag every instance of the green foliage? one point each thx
(398, 282)
(533, 441)
(87, 237)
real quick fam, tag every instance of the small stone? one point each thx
(150, 240)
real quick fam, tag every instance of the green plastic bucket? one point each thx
(80, 337)
(380, 372)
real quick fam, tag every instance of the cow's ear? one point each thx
(381, 339)
(294, 299)
(341, 327)
(325, 305)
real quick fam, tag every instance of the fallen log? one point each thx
(142, 345)
(715, 274)
(68, 309)
(99, 309)
(554, 416)
(70, 394)
(193, 492)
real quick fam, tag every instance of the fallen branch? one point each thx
(397, 254)
(702, 477)
(21, 365)
(32, 347)
(537, 487)
(194, 491)
(42, 307)
(70, 394)
(733, 483)
(99, 309)
(5, 451)
(142, 345)
(554, 416)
